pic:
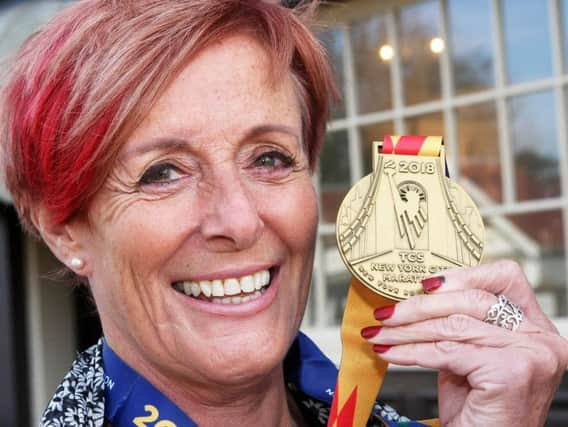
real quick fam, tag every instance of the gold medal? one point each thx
(407, 221)
(400, 224)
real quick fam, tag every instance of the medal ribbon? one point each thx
(133, 401)
(361, 372)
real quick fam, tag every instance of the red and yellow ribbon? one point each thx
(412, 145)
(361, 371)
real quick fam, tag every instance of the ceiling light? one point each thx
(386, 52)
(437, 45)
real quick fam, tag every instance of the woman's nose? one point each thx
(232, 221)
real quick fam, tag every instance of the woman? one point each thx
(163, 150)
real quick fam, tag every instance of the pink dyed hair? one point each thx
(80, 85)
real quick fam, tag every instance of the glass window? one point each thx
(527, 40)
(478, 149)
(472, 57)
(337, 278)
(16, 24)
(372, 54)
(335, 176)
(368, 134)
(564, 23)
(533, 137)
(418, 26)
(531, 233)
(536, 241)
(333, 41)
(426, 124)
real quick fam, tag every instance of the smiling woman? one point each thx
(219, 206)
(164, 151)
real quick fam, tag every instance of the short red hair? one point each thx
(80, 85)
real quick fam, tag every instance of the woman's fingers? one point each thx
(474, 303)
(502, 277)
(443, 356)
(455, 328)
(519, 360)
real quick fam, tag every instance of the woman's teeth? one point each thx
(228, 291)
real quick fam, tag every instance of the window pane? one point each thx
(533, 137)
(334, 174)
(536, 241)
(373, 73)
(368, 134)
(417, 26)
(472, 57)
(337, 278)
(309, 314)
(18, 21)
(564, 23)
(527, 40)
(478, 145)
(333, 42)
(427, 124)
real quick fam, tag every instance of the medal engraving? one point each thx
(407, 221)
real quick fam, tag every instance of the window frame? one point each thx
(318, 317)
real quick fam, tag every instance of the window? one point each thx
(499, 98)
(472, 57)
(527, 46)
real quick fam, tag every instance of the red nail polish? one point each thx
(430, 284)
(384, 313)
(370, 331)
(377, 348)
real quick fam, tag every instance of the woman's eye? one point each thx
(160, 174)
(274, 159)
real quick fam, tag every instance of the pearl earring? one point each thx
(77, 263)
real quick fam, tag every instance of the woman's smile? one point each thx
(233, 296)
(232, 290)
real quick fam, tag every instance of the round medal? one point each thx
(407, 221)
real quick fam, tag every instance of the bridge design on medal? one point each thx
(359, 221)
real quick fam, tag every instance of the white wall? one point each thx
(51, 327)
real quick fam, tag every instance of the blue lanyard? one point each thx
(133, 401)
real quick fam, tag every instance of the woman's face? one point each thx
(212, 194)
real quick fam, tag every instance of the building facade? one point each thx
(489, 75)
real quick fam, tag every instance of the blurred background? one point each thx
(489, 75)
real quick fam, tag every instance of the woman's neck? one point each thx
(263, 402)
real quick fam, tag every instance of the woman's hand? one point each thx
(489, 375)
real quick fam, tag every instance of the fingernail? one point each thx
(384, 313)
(370, 331)
(430, 284)
(377, 348)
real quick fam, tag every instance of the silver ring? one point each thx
(505, 314)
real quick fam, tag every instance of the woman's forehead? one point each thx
(226, 87)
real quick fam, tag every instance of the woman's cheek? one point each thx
(299, 209)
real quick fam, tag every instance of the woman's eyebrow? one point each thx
(157, 144)
(269, 128)
(179, 144)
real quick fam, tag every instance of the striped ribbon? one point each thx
(361, 372)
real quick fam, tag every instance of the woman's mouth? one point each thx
(234, 290)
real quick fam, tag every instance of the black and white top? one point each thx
(79, 400)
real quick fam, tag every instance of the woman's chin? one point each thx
(232, 343)
(242, 362)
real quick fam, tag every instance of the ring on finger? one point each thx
(505, 314)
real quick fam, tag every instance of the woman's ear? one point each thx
(66, 241)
